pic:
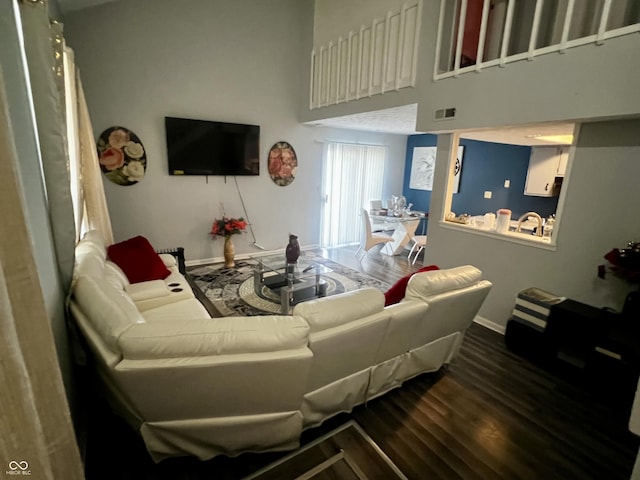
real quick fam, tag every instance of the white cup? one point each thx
(489, 221)
(503, 220)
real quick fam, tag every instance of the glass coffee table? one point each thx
(295, 283)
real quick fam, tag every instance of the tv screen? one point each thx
(203, 147)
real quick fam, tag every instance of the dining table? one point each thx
(404, 228)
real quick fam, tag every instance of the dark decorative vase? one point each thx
(293, 249)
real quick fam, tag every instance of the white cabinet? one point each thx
(546, 164)
(562, 161)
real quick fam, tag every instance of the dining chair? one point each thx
(375, 204)
(369, 239)
(419, 242)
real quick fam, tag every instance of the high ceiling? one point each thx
(402, 120)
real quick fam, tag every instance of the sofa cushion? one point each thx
(188, 308)
(138, 260)
(111, 312)
(146, 290)
(168, 260)
(397, 290)
(115, 275)
(328, 312)
(187, 337)
(428, 284)
(176, 279)
(89, 262)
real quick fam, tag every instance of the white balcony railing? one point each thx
(476, 34)
(380, 57)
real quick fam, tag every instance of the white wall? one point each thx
(587, 82)
(600, 212)
(334, 18)
(244, 61)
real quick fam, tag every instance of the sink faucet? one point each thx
(527, 215)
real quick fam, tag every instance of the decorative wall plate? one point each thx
(122, 156)
(283, 163)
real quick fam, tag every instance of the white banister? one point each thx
(317, 77)
(330, 83)
(602, 28)
(349, 60)
(416, 43)
(448, 54)
(385, 51)
(566, 27)
(401, 46)
(483, 34)
(381, 57)
(360, 52)
(461, 21)
(507, 33)
(372, 54)
(312, 79)
(324, 80)
(533, 38)
(338, 69)
(436, 65)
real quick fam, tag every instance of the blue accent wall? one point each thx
(485, 167)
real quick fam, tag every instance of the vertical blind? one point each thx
(353, 176)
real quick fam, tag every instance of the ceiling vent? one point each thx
(445, 113)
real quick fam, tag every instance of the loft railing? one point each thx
(380, 57)
(477, 34)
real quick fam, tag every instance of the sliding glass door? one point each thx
(353, 176)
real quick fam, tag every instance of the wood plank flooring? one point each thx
(490, 415)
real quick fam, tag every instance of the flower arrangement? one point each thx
(122, 156)
(225, 226)
(624, 263)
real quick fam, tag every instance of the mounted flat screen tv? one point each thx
(203, 147)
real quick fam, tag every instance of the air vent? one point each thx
(445, 113)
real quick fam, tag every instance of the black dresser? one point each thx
(597, 346)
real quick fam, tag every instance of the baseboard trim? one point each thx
(242, 256)
(489, 324)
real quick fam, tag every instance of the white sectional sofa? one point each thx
(201, 386)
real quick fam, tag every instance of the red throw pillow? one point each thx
(138, 260)
(396, 292)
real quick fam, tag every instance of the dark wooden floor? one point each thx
(490, 414)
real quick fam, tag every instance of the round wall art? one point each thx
(122, 156)
(283, 163)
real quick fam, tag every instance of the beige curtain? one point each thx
(73, 141)
(37, 434)
(96, 215)
(42, 65)
(87, 190)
